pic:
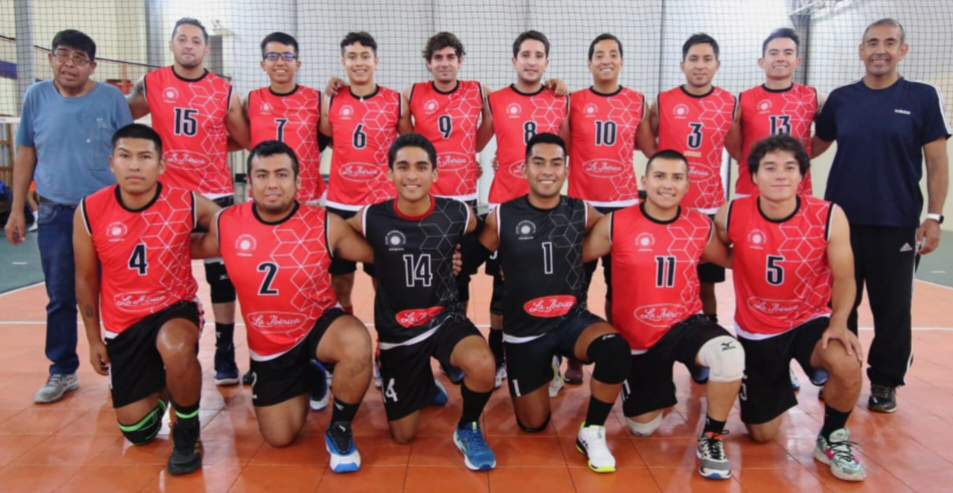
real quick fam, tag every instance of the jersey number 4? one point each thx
(418, 270)
(137, 261)
(185, 122)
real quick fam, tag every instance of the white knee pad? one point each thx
(644, 429)
(725, 357)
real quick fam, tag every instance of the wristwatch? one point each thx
(936, 217)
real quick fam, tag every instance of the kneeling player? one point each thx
(277, 253)
(792, 262)
(417, 311)
(539, 237)
(131, 243)
(656, 248)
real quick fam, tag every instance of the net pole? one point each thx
(26, 61)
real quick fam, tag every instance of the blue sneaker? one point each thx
(477, 455)
(819, 378)
(699, 373)
(440, 396)
(226, 371)
(339, 442)
(454, 374)
(319, 386)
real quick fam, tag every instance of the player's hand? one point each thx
(99, 358)
(457, 261)
(847, 338)
(334, 86)
(928, 236)
(16, 228)
(479, 170)
(557, 86)
(496, 164)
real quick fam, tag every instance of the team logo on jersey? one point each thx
(698, 172)
(756, 239)
(266, 109)
(662, 315)
(186, 160)
(417, 316)
(516, 169)
(170, 94)
(550, 306)
(602, 168)
(277, 322)
(764, 105)
(245, 245)
(525, 230)
(514, 110)
(430, 107)
(773, 307)
(590, 110)
(116, 231)
(346, 112)
(139, 302)
(680, 111)
(453, 161)
(360, 172)
(395, 240)
(644, 242)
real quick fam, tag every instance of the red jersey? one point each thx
(280, 273)
(696, 126)
(654, 272)
(363, 128)
(781, 275)
(293, 119)
(189, 116)
(766, 112)
(517, 117)
(450, 120)
(144, 254)
(603, 142)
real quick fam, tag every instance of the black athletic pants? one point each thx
(885, 260)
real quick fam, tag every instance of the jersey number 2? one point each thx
(270, 270)
(137, 261)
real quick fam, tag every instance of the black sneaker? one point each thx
(226, 371)
(883, 398)
(248, 378)
(186, 450)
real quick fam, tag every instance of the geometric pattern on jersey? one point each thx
(144, 255)
(363, 129)
(449, 120)
(697, 126)
(414, 258)
(654, 270)
(781, 275)
(603, 128)
(540, 251)
(292, 118)
(189, 116)
(280, 273)
(766, 112)
(516, 118)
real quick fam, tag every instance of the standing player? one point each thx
(362, 123)
(278, 252)
(792, 264)
(656, 248)
(192, 109)
(131, 242)
(694, 120)
(539, 237)
(417, 313)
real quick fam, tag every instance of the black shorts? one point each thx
(136, 370)
(650, 386)
(340, 266)
(286, 377)
(709, 273)
(766, 391)
(529, 365)
(406, 374)
(590, 267)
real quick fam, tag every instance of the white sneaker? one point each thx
(378, 381)
(557, 382)
(56, 386)
(837, 453)
(500, 376)
(591, 441)
(795, 381)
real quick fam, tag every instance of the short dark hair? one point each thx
(781, 142)
(603, 37)
(544, 138)
(443, 40)
(781, 33)
(531, 34)
(411, 140)
(192, 22)
(279, 37)
(669, 154)
(77, 40)
(272, 148)
(138, 131)
(362, 37)
(886, 21)
(699, 39)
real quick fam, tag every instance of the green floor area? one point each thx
(937, 267)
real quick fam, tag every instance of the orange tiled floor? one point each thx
(74, 445)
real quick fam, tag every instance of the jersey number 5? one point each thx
(774, 273)
(185, 122)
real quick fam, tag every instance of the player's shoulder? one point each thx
(921, 90)
(101, 196)
(388, 92)
(238, 211)
(694, 216)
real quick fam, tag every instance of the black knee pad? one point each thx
(611, 355)
(217, 277)
(541, 427)
(147, 428)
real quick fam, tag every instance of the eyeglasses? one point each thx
(78, 60)
(287, 56)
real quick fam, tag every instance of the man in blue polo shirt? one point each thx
(884, 126)
(64, 138)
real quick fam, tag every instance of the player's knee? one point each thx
(725, 357)
(532, 427)
(610, 354)
(644, 429)
(176, 340)
(147, 428)
(762, 433)
(221, 286)
(279, 438)
(480, 370)
(402, 436)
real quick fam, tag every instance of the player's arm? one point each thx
(87, 291)
(138, 105)
(825, 129)
(598, 243)
(564, 128)
(236, 124)
(346, 243)
(841, 259)
(733, 140)
(404, 125)
(473, 222)
(647, 131)
(489, 237)
(205, 245)
(355, 221)
(721, 224)
(592, 217)
(335, 84)
(717, 251)
(23, 168)
(485, 131)
(558, 87)
(325, 126)
(938, 170)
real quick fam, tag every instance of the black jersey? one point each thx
(541, 255)
(413, 259)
